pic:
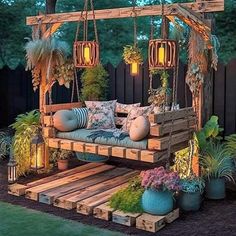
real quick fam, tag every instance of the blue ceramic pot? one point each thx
(215, 188)
(189, 201)
(157, 202)
(90, 157)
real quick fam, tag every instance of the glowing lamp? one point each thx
(134, 68)
(85, 54)
(162, 54)
(11, 169)
(37, 152)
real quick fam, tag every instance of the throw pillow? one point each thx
(65, 120)
(134, 113)
(82, 116)
(139, 128)
(101, 114)
(126, 107)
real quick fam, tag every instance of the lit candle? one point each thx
(87, 54)
(134, 68)
(161, 55)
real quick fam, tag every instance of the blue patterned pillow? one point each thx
(82, 116)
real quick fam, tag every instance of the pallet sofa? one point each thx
(179, 123)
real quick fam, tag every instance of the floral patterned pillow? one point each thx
(101, 114)
(134, 113)
(126, 107)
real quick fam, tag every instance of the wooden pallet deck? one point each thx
(87, 189)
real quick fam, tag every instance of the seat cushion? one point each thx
(139, 128)
(65, 120)
(114, 137)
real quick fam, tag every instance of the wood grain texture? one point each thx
(62, 106)
(154, 10)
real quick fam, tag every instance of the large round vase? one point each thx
(157, 202)
(215, 189)
(189, 201)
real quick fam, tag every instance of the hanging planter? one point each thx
(86, 53)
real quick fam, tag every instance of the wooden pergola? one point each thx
(193, 14)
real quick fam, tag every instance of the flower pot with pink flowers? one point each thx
(160, 185)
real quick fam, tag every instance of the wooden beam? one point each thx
(51, 30)
(154, 10)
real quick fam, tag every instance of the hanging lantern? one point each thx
(86, 53)
(37, 152)
(162, 54)
(11, 169)
(134, 68)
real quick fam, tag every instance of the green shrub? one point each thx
(129, 199)
(25, 126)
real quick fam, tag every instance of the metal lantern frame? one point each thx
(11, 169)
(79, 53)
(37, 142)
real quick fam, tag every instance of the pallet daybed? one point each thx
(179, 122)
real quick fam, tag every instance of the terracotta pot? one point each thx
(62, 164)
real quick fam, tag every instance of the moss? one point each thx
(129, 199)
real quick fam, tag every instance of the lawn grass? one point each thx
(19, 221)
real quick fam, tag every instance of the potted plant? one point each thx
(60, 157)
(189, 198)
(216, 166)
(159, 186)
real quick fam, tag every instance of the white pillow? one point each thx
(139, 128)
(65, 120)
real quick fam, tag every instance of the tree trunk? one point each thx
(50, 6)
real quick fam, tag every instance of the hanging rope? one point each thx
(134, 13)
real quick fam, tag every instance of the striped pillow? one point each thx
(82, 116)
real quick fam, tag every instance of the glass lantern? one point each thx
(37, 152)
(11, 169)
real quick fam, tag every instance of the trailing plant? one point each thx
(129, 199)
(44, 55)
(216, 162)
(161, 96)
(192, 184)
(59, 154)
(160, 179)
(132, 54)
(210, 132)
(5, 143)
(25, 126)
(94, 83)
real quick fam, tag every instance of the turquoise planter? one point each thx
(215, 189)
(189, 201)
(90, 157)
(157, 202)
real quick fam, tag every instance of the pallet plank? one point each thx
(181, 124)
(133, 154)
(91, 148)
(86, 206)
(104, 150)
(128, 219)
(119, 152)
(69, 201)
(48, 196)
(103, 211)
(171, 115)
(33, 193)
(17, 189)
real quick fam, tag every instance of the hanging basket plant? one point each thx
(45, 55)
(132, 54)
